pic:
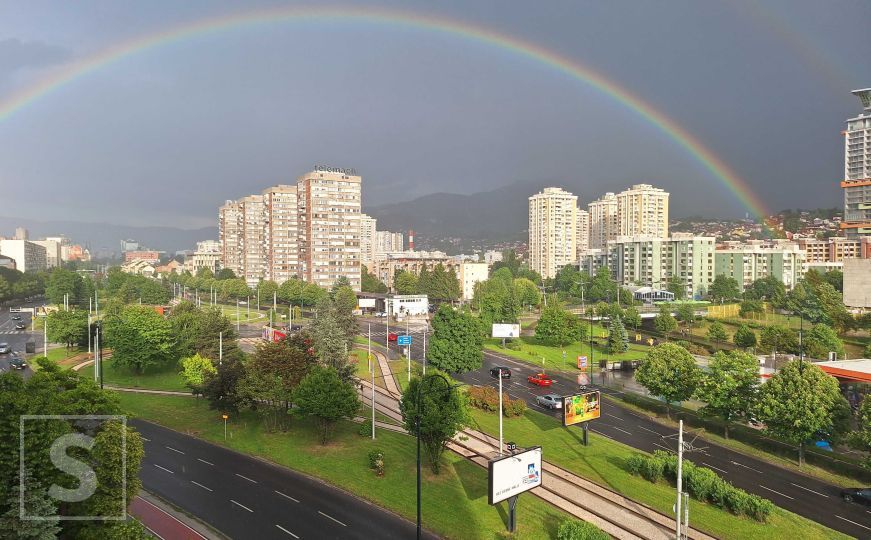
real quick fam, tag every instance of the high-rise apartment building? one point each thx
(368, 240)
(857, 171)
(604, 225)
(282, 237)
(52, 251)
(230, 229)
(254, 239)
(643, 210)
(582, 237)
(329, 210)
(552, 231)
(388, 242)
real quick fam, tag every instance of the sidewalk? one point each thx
(165, 522)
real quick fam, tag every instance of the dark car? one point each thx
(5, 348)
(15, 317)
(859, 495)
(20, 326)
(17, 363)
(506, 373)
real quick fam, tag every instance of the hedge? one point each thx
(486, 398)
(573, 529)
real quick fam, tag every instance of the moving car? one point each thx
(540, 379)
(20, 326)
(380, 314)
(506, 373)
(859, 495)
(5, 348)
(17, 363)
(391, 336)
(15, 317)
(551, 401)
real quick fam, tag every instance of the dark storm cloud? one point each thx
(16, 54)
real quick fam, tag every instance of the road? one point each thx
(803, 495)
(17, 338)
(243, 497)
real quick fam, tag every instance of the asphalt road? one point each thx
(243, 497)
(795, 492)
(17, 338)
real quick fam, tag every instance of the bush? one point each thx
(736, 500)
(759, 508)
(365, 428)
(376, 461)
(700, 483)
(514, 345)
(486, 398)
(635, 463)
(513, 407)
(573, 529)
(652, 469)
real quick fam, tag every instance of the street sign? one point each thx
(582, 379)
(637, 337)
(403, 340)
(582, 362)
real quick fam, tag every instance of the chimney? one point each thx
(410, 239)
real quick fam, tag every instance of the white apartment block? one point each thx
(492, 256)
(53, 251)
(604, 225)
(389, 242)
(749, 262)
(230, 236)
(368, 240)
(470, 273)
(207, 255)
(857, 171)
(282, 235)
(28, 257)
(643, 210)
(583, 233)
(552, 231)
(254, 239)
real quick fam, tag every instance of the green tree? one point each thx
(68, 327)
(5, 289)
(222, 389)
(744, 337)
(729, 387)
(670, 372)
(139, 338)
(618, 341)
(443, 284)
(38, 503)
(405, 283)
(205, 272)
(225, 273)
(724, 288)
(778, 338)
(331, 340)
(265, 289)
(717, 332)
(835, 278)
(441, 414)
(664, 321)
(312, 294)
(676, 286)
(821, 340)
(345, 298)
(527, 292)
(62, 281)
(509, 261)
(769, 288)
(751, 307)
(798, 402)
(370, 283)
(558, 326)
(861, 438)
(456, 344)
(324, 396)
(291, 291)
(686, 313)
(195, 371)
(632, 317)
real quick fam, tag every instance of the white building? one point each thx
(368, 240)
(583, 234)
(282, 233)
(857, 171)
(29, 257)
(470, 273)
(53, 251)
(604, 225)
(492, 256)
(643, 210)
(388, 242)
(748, 262)
(552, 231)
(207, 255)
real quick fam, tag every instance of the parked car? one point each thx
(391, 337)
(551, 401)
(859, 495)
(5, 348)
(540, 379)
(380, 314)
(494, 372)
(20, 326)
(17, 363)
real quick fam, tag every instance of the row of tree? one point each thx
(16, 285)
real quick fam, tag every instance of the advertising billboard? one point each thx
(581, 408)
(506, 330)
(366, 303)
(512, 475)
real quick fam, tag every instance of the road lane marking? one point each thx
(663, 447)
(242, 505)
(779, 493)
(853, 522)
(331, 517)
(623, 430)
(163, 468)
(285, 530)
(286, 495)
(612, 416)
(146, 439)
(246, 478)
(202, 486)
(809, 489)
(602, 434)
(715, 468)
(746, 467)
(650, 430)
(173, 449)
(206, 462)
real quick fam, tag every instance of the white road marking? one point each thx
(650, 430)
(285, 530)
(202, 486)
(715, 468)
(663, 447)
(623, 430)
(241, 505)
(614, 417)
(146, 439)
(174, 450)
(246, 478)
(287, 496)
(602, 434)
(206, 462)
(331, 517)
(779, 493)
(746, 467)
(812, 491)
(163, 468)
(853, 522)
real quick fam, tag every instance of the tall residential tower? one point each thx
(552, 231)
(857, 171)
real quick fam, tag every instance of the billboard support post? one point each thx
(586, 426)
(512, 513)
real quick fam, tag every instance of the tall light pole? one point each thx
(500, 412)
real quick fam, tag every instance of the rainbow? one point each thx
(563, 64)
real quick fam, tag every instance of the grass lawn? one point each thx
(454, 502)
(167, 378)
(603, 462)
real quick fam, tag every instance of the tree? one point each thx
(195, 370)
(821, 340)
(225, 273)
(266, 289)
(676, 286)
(686, 313)
(769, 288)
(440, 284)
(370, 283)
(744, 337)
(750, 307)
(778, 338)
(717, 332)
(664, 321)
(835, 278)
(724, 288)
(68, 327)
(312, 294)
(632, 317)
(509, 261)
(729, 387)
(291, 291)
(222, 388)
(443, 412)
(345, 298)
(5, 289)
(798, 402)
(456, 344)
(331, 340)
(861, 438)
(140, 337)
(324, 396)
(618, 341)
(204, 272)
(63, 282)
(527, 292)
(670, 372)
(405, 283)
(558, 326)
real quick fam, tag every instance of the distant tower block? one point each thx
(410, 239)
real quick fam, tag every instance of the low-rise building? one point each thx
(138, 267)
(7, 262)
(857, 283)
(748, 262)
(207, 255)
(29, 257)
(149, 256)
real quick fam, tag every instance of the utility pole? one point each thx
(501, 445)
(220, 348)
(90, 306)
(45, 333)
(407, 317)
(372, 372)
(425, 329)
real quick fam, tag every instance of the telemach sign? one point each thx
(327, 168)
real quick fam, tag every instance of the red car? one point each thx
(540, 379)
(391, 337)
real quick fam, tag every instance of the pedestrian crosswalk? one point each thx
(11, 332)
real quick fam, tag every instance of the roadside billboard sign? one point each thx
(506, 330)
(363, 303)
(581, 408)
(510, 476)
(582, 362)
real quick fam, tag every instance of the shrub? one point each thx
(513, 407)
(736, 500)
(486, 398)
(376, 461)
(719, 492)
(573, 529)
(759, 508)
(635, 463)
(514, 345)
(700, 482)
(652, 469)
(365, 428)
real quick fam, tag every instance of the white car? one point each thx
(380, 314)
(550, 401)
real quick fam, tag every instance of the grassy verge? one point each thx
(454, 502)
(603, 462)
(163, 379)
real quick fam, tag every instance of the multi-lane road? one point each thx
(793, 491)
(17, 339)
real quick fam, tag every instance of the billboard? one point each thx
(366, 303)
(512, 475)
(581, 408)
(506, 330)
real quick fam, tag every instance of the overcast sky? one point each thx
(164, 136)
